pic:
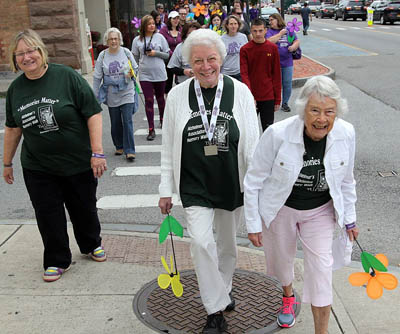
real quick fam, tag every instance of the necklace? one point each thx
(209, 102)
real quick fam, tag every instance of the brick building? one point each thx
(63, 25)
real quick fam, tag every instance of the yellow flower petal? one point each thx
(165, 264)
(374, 288)
(387, 280)
(177, 287)
(164, 281)
(358, 279)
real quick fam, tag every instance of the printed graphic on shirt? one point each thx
(233, 48)
(221, 133)
(312, 176)
(47, 120)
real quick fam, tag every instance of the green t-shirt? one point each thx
(211, 181)
(52, 112)
(311, 189)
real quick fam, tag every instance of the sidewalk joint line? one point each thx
(337, 320)
(12, 234)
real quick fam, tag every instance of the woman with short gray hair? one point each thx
(301, 183)
(209, 134)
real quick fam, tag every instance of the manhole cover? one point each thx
(258, 299)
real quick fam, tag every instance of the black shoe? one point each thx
(231, 305)
(161, 124)
(216, 324)
(130, 157)
(151, 135)
(285, 108)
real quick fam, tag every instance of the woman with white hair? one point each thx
(114, 85)
(209, 135)
(301, 183)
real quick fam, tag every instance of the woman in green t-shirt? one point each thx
(56, 112)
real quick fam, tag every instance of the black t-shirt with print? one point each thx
(311, 189)
(211, 181)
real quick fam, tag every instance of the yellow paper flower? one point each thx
(164, 280)
(375, 281)
(217, 11)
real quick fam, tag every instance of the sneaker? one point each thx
(131, 157)
(151, 135)
(53, 273)
(119, 152)
(161, 124)
(286, 316)
(285, 107)
(216, 324)
(98, 254)
(231, 305)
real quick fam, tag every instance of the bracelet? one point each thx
(98, 155)
(8, 165)
(350, 226)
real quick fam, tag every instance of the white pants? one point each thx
(214, 260)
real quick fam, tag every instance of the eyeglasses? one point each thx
(113, 39)
(239, 13)
(30, 52)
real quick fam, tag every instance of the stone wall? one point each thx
(14, 17)
(56, 21)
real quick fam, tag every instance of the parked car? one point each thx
(314, 6)
(351, 9)
(266, 12)
(326, 10)
(294, 8)
(386, 11)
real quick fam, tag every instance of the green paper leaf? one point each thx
(365, 262)
(375, 263)
(176, 227)
(164, 230)
(290, 39)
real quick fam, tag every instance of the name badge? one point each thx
(210, 150)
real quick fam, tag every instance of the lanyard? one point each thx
(209, 127)
(145, 47)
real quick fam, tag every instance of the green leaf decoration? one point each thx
(375, 263)
(368, 261)
(164, 230)
(176, 227)
(290, 38)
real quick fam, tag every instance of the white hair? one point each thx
(322, 86)
(108, 32)
(204, 37)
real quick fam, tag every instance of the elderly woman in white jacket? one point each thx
(209, 135)
(301, 183)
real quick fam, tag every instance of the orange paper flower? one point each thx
(199, 9)
(375, 280)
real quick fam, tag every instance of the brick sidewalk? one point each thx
(305, 67)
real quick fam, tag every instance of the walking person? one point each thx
(233, 41)
(172, 33)
(210, 131)
(306, 16)
(114, 85)
(150, 50)
(55, 111)
(301, 184)
(278, 34)
(261, 71)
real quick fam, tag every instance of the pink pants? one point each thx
(315, 230)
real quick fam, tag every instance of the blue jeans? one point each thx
(306, 25)
(287, 75)
(122, 127)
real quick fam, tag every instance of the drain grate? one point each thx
(258, 298)
(388, 174)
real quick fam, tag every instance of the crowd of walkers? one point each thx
(212, 73)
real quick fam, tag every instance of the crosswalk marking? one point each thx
(132, 201)
(135, 171)
(147, 148)
(145, 132)
(356, 28)
(326, 29)
(341, 28)
(1, 131)
(156, 118)
(387, 28)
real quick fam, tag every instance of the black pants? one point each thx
(170, 80)
(266, 111)
(49, 193)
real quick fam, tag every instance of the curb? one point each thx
(296, 83)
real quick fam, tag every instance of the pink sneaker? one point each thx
(286, 316)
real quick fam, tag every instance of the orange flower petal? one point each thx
(388, 281)
(374, 288)
(383, 259)
(358, 279)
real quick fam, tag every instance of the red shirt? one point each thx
(260, 70)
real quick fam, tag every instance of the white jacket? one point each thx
(177, 114)
(277, 162)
